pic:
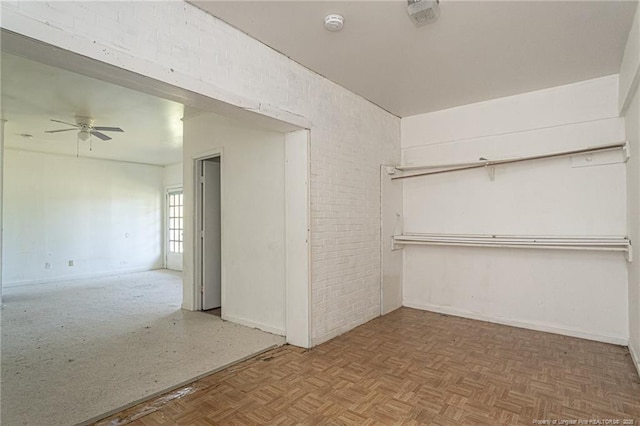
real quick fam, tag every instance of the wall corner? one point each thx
(630, 65)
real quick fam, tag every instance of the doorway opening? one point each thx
(292, 272)
(210, 238)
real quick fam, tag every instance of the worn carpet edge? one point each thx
(98, 418)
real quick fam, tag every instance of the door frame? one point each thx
(198, 159)
(298, 322)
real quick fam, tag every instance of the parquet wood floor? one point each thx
(413, 367)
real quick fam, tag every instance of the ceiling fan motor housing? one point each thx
(84, 122)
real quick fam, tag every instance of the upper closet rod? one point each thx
(488, 163)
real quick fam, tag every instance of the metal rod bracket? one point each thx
(626, 150)
(395, 246)
(491, 170)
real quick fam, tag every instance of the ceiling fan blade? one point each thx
(58, 131)
(100, 135)
(108, 129)
(64, 122)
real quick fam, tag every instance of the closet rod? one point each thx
(488, 163)
(591, 243)
(508, 245)
(515, 237)
(621, 244)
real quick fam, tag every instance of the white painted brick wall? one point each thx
(181, 45)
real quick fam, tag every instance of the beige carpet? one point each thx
(74, 351)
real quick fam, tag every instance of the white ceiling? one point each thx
(33, 93)
(477, 50)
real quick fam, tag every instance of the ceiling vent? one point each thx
(423, 12)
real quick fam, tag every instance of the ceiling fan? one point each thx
(86, 129)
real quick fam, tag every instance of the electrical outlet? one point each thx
(71, 263)
(47, 265)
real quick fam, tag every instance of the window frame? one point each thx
(174, 226)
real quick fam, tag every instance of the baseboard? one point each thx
(253, 324)
(7, 284)
(343, 329)
(330, 335)
(635, 359)
(623, 341)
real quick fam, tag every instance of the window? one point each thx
(175, 221)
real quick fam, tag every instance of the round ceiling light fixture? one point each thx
(333, 22)
(84, 134)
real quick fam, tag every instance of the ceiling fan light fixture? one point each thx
(84, 135)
